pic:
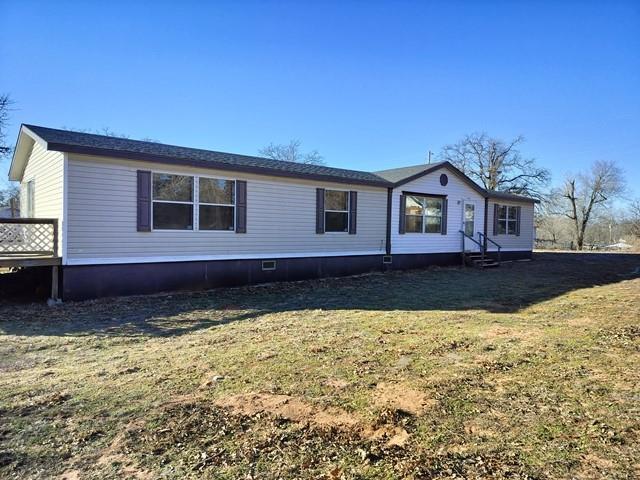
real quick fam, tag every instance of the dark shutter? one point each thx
(402, 219)
(241, 206)
(144, 201)
(319, 210)
(518, 209)
(495, 219)
(353, 212)
(445, 209)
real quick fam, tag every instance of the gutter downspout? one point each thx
(389, 199)
(486, 221)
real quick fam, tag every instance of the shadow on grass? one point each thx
(507, 289)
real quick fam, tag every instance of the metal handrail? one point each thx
(471, 238)
(486, 238)
(464, 235)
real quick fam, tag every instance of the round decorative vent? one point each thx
(444, 179)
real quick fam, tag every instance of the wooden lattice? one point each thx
(27, 237)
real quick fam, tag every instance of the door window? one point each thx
(469, 217)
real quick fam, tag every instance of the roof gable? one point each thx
(24, 145)
(403, 175)
(400, 176)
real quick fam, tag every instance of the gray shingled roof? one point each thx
(510, 196)
(91, 144)
(404, 174)
(395, 175)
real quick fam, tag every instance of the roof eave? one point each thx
(514, 199)
(24, 144)
(127, 155)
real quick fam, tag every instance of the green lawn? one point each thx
(531, 370)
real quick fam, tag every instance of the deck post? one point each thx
(54, 283)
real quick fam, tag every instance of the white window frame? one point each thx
(235, 202)
(507, 220)
(347, 211)
(424, 214)
(466, 203)
(195, 202)
(179, 202)
(31, 198)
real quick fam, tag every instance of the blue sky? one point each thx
(371, 85)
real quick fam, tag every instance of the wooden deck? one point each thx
(29, 261)
(31, 242)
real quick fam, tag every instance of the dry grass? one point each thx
(527, 371)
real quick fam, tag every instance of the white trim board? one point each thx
(204, 258)
(265, 256)
(495, 250)
(64, 228)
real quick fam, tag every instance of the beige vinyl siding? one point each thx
(456, 191)
(46, 169)
(524, 241)
(281, 216)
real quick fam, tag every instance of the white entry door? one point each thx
(469, 225)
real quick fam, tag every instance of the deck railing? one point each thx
(28, 237)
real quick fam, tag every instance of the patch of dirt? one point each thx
(113, 454)
(337, 383)
(594, 467)
(254, 403)
(70, 475)
(289, 408)
(211, 379)
(402, 398)
(396, 436)
(316, 418)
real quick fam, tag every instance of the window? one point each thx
(183, 202)
(336, 211)
(172, 202)
(216, 204)
(31, 193)
(423, 214)
(507, 220)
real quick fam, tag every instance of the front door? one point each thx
(469, 225)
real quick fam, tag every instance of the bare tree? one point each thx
(291, 153)
(106, 131)
(10, 198)
(634, 218)
(9, 193)
(497, 164)
(5, 108)
(582, 195)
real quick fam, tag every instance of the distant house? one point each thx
(137, 217)
(8, 212)
(621, 245)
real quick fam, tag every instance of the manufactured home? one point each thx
(113, 216)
